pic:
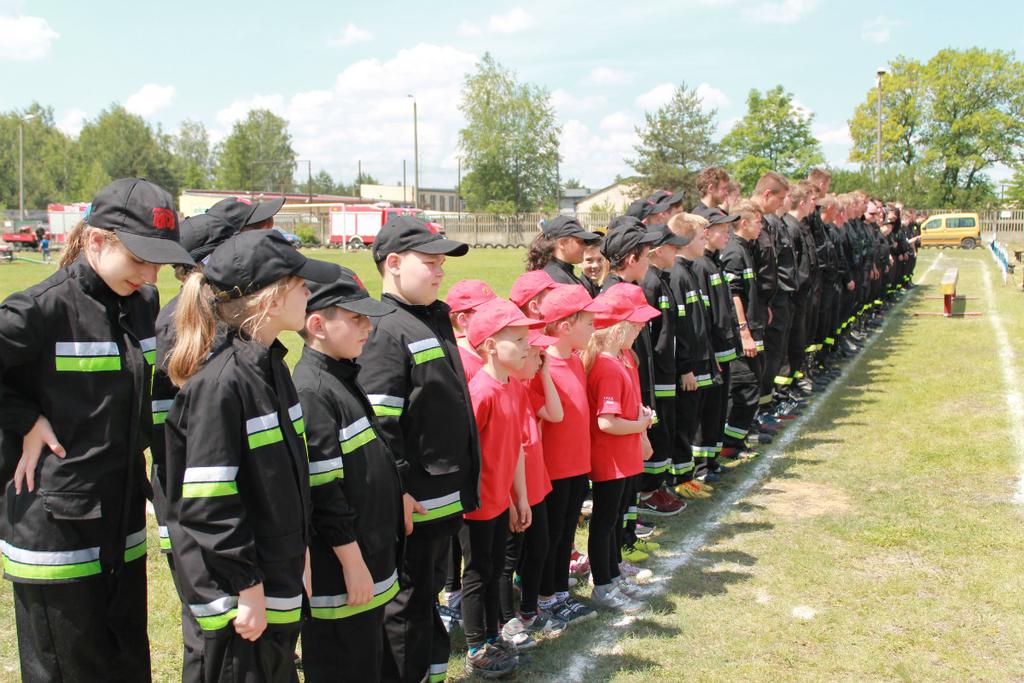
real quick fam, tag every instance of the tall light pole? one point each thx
(878, 160)
(416, 155)
(21, 163)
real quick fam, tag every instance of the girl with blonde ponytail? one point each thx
(237, 472)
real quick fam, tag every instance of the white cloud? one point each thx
(24, 39)
(350, 35)
(516, 20)
(595, 157)
(780, 12)
(656, 96)
(833, 135)
(606, 75)
(616, 122)
(150, 99)
(71, 122)
(727, 125)
(568, 104)
(879, 29)
(712, 97)
(237, 110)
(801, 109)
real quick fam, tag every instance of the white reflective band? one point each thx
(295, 412)
(87, 349)
(212, 609)
(162, 406)
(434, 503)
(162, 530)
(49, 557)
(283, 604)
(424, 344)
(135, 539)
(204, 474)
(321, 466)
(339, 600)
(261, 423)
(703, 378)
(664, 387)
(438, 668)
(385, 400)
(357, 427)
(148, 344)
(653, 464)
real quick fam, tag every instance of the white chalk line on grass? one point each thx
(670, 561)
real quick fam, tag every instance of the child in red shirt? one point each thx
(498, 332)
(618, 425)
(463, 298)
(568, 313)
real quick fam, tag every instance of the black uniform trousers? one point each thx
(663, 439)
(91, 630)
(228, 656)
(525, 555)
(348, 649)
(744, 393)
(192, 641)
(710, 422)
(797, 346)
(417, 638)
(483, 551)
(689, 405)
(453, 576)
(565, 500)
(827, 315)
(776, 344)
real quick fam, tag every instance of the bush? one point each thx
(308, 234)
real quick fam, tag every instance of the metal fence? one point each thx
(506, 231)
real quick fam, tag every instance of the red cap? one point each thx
(494, 316)
(465, 295)
(622, 302)
(528, 285)
(538, 338)
(566, 300)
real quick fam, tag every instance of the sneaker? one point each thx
(700, 487)
(582, 612)
(490, 661)
(645, 545)
(660, 505)
(628, 568)
(541, 626)
(630, 553)
(588, 507)
(611, 598)
(764, 438)
(559, 611)
(643, 530)
(579, 563)
(451, 617)
(508, 647)
(688, 490)
(515, 632)
(633, 591)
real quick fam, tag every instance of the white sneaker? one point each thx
(515, 632)
(609, 597)
(632, 591)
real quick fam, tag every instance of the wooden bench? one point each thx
(948, 288)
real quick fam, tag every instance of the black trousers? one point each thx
(269, 659)
(602, 545)
(689, 405)
(349, 649)
(525, 555)
(483, 552)
(827, 315)
(662, 436)
(744, 392)
(796, 349)
(776, 344)
(564, 504)
(192, 641)
(417, 640)
(626, 533)
(710, 422)
(453, 577)
(92, 630)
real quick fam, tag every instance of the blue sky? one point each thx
(340, 72)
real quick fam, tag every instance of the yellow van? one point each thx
(951, 230)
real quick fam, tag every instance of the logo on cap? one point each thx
(243, 200)
(163, 219)
(358, 281)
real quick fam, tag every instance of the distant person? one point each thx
(44, 248)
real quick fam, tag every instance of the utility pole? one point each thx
(21, 163)
(416, 154)
(878, 160)
(458, 190)
(405, 195)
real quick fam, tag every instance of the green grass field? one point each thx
(879, 540)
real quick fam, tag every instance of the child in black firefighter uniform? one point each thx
(76, 357)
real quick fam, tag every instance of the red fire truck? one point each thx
(357, 225)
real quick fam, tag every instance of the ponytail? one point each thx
(542, 248)
(74, 244)
(608, 340)
(195, 325)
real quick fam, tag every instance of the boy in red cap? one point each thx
(463, 298)
(499, 333)
(618, 427)
(568, 314)
(529, 289)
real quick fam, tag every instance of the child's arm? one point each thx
(551, 411)
(520, 501)
(620, 426)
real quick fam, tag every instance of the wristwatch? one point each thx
(743, 326)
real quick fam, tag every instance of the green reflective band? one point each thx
(764, 400)
(811, 349)
(56, 565)
(830, 341)
(335, 607)
(663, 303)
(295, 415)
(851, 319)
(357, 434)
(798, 375)
(135, 546)
(271, 436)
(438, 508)
(734, 432)
(386, 405)
(681, 468)
(426, 350)
(691, 297)
(783, 380)
(215, 615)
(213, 489)
(165, 538)
(160, 409)
(263, 430)
(664, 390)
(325, 471)
(715, 279)
(424, 356)
(725, 356)
(381, 411)
(759, 345)
(704, 380)
(148, 347)
(681, 310)
(438, 672)
(284, 610)
(748, 274)
(877, 302)
(150, 356)
(94, 364)
(656, 467)
(159, 418)
(655, 420)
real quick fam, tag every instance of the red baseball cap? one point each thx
(528, 285)
(623, 302)
(494, 316)
(538, 338)
(465, 295)
(566, 300)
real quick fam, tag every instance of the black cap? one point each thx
(201, 234)
(662, 200)
(666, 236)
(250, 261)
(567, 226)
(142, 216)
(242, 211)
(408, 233)
(347, 292)
(639, 209)
(624, 237)
(720, 218)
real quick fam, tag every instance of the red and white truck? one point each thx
(357, 225)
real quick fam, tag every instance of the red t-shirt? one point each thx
(499, 420)
(538, 484)
(567, 443)
(614, 389)
(471, 362)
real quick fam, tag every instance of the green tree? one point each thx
(772, 136)
(675, 144)
(257, 155)
(572, 184)
(323, 183)
(509, 143)
(49, 157)
(903, 117)
(192, 157)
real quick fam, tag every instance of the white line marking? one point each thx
(671, 560)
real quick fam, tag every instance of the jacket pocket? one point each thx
(72, 506)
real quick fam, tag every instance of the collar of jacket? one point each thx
(344, 369)
(90, 280)
(420, 311)
(743, 242)
(262, 357)
(567, 267)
